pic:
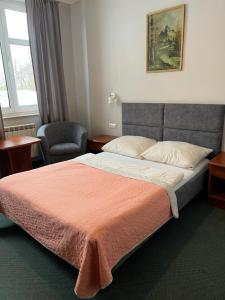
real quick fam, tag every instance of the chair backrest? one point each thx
(61, 132)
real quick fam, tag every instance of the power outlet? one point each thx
(112, 125)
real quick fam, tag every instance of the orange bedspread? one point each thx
(89, 217)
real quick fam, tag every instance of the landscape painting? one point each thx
(165, 35)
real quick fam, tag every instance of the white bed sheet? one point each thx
(188, 174)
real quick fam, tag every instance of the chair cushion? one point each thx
(64, 148)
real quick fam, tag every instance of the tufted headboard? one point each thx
(199, 124)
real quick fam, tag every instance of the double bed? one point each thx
(93, 217)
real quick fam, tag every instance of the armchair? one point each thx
(62, 141)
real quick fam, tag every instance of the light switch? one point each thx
(112, 125)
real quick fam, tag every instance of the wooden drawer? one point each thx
(95, 146)
(217, 171)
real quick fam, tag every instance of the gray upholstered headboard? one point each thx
(199, 124)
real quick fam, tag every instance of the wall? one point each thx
(115, 33)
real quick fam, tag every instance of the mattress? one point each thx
(188, 173)
(191, 184)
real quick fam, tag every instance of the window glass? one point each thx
(16, 24)
(4, 99)
(17, 85)
(24, 77)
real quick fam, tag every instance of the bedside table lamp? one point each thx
(113, 98)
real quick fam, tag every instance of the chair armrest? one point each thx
(80, 137)
(42, 135)
(44, 143)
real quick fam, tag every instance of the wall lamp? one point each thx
(113, 98)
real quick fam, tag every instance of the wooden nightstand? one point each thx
(216, 192)
(95, 144)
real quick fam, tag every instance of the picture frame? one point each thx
(165, 39)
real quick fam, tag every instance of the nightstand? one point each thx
(216, 192)
(95, 144)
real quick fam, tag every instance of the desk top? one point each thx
(17, 141)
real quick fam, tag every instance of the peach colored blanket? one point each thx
(88, 217)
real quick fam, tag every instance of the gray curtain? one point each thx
(2, 131)
(46, 51)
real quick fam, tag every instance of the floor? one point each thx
(184, 260)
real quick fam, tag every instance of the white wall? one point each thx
(115, 34)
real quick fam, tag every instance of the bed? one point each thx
(94, 219)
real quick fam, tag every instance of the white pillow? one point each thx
(179, 154)
(132, 146)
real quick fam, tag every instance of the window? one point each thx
(17, 85)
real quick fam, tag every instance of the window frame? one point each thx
(5, 42)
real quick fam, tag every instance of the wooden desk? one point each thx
(15, 154)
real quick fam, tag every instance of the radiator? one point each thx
(25, 130)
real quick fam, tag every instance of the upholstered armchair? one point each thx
(62, 141)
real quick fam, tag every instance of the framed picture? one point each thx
(165, 35)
